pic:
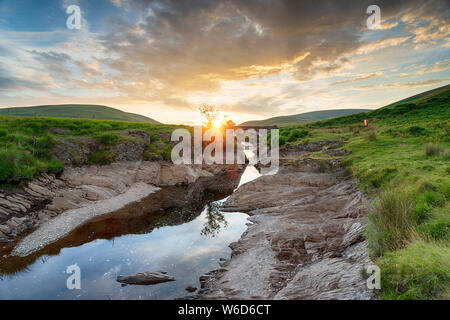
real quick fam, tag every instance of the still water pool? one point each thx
(185, 251)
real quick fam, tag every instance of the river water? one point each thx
(185, 251)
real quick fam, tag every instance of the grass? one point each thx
(27, 143)
(392, 221)
(419, 271)
(401, 162)
(432, 149)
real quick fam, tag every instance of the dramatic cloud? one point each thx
(256, 57)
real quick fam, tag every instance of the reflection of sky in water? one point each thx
(180, 250)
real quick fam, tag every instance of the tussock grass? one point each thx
(432, 149)
(392, 222)
(371, 136)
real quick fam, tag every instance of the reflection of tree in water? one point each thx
(215, 220)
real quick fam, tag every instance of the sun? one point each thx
(217, 123)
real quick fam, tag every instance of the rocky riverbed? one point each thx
(306, 240)
(52, 206)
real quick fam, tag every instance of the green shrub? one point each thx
(296, 135)
(3, 133)
(107, 139)
(432, 198)
(55, 166)
(391, 222)
(437, 227)
(422, 210)
(102, 157)
(282, 140)
(166, 153)
(420, 271)
(417, 131)
(155, 138)
(446, 188)
(377, 177)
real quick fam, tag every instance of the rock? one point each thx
(12, 206)
(60, 204)
(129, 151)
(297, 247)
(191, 289)
(75, 150)
(94, 193)
(178, 174)
(146, 278)
(40, 190)
(26, 204)
(15, 222)
(44, 215)
(4, 211)
(149, 172)
(5, 229)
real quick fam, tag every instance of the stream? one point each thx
(185, 250)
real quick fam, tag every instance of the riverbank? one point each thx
(306, 238)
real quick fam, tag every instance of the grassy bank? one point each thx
(402, 162)
(27, 144)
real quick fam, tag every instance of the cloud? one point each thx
(9, 82)
(173, 53)
(437, 67)
(359, 78)
(195, 45)
(414, 84)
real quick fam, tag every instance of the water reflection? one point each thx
(185, 244)
(215, 220)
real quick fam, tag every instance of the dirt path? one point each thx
(305, 241)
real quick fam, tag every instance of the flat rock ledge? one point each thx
(67, 221)
(305, 240)
(145, 278)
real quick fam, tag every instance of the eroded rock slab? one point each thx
(146, 278)
(305, 240)
(64, 223)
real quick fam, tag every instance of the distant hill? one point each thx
(303, 117)
(432, 104)
(85, 111)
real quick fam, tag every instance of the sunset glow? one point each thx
(164, 58)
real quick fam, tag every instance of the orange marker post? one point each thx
(366, 123)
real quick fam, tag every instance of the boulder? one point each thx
(145, 278)
(129, 151)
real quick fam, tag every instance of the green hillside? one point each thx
(284, 121)
(84, 111)
(402, 162)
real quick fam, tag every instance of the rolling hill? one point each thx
(84, 111)
(303, 117)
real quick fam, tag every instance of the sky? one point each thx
(252, 59)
